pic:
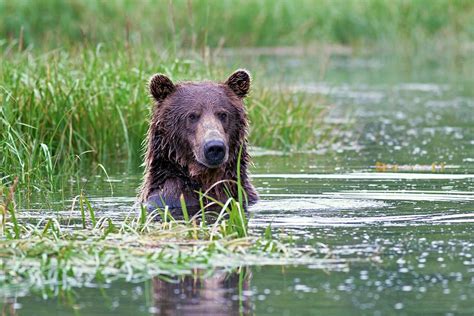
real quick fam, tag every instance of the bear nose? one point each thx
(214, 151)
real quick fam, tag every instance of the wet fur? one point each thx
(170, 165)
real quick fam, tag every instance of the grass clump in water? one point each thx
(72, 249)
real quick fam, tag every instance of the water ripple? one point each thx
(367, 175)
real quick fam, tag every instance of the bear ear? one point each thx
(239, 82)
(160, 87)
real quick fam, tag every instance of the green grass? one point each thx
(200, 23)
(66, 109)
(67, 250)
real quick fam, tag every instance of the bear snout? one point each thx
(214, 152)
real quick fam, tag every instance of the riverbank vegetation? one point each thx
(203, 23)
(61, 109)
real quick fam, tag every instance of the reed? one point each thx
(63, 111)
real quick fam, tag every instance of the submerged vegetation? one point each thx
(79, 247)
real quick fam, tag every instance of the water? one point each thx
(396, 188)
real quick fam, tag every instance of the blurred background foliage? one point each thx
(229, 23)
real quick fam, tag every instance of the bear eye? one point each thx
(193, 117)
(222, 116)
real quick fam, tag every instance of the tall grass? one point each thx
(199, 23)
(64, 109)
(285, 120)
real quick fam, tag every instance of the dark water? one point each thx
(397, 186)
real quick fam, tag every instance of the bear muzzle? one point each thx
(212, 148)
(215, 152)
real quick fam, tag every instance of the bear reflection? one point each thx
(199, 295)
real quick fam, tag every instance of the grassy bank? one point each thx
(200, 23)
(64, 108)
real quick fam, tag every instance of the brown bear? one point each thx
(196, 132)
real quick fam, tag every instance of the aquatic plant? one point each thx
(49, 253)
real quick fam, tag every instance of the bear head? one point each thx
(199, 126)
